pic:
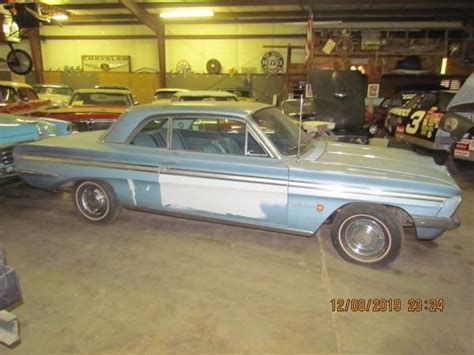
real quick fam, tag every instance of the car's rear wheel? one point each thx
(366, 234)
(96, 201)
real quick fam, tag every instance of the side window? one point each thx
(154, 134)
(213, 135)
(27, 94)
(8, 95)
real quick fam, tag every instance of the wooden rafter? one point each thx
(156, 26)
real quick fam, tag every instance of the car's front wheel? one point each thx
(96, 201)
(366, 234)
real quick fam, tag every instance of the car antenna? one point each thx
(299, 127)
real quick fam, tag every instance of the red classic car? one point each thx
(92, 109)
(20, 99)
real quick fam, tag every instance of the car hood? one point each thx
(374, 166)
(91, 108)
(16, 129)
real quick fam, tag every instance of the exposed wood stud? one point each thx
(156, 26)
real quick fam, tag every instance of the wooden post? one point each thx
(35, 45)
(157, 26)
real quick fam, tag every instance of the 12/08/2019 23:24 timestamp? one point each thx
(412, 305)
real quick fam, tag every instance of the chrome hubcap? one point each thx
(94, 201)
(365, 237)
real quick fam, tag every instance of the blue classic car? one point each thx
(238, 163)
(20, 129)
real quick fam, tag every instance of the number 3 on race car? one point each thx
(416, 119)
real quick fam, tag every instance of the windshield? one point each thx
(108, 99)
(282, 131)
(164, 95)
(412, 102)
(207, 98)
(53, 90)
(292, 107)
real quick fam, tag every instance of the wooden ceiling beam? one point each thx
(156, 26)
(319, 15)
(320, 4)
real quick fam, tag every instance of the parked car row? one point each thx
(166, 95)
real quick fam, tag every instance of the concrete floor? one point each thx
(160, 285)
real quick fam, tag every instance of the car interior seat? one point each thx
(150, 139)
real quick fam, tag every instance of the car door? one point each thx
(217, 168)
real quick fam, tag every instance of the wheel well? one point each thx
(69, 184)
(403, 216)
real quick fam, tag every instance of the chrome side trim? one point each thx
(219, 176)
(197, 217)
(372, 192)
(31, 172)
(94, 163)
(237, 177)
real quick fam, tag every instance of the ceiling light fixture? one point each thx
(182, 13)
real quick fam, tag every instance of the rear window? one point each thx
(80, 99)
(53, 90)
(207, 98)
(165, 95)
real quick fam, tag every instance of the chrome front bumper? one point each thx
(429, 228)
(444, 223)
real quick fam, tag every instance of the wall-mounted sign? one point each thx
(373, 91)
(272, 62)
(116, 63)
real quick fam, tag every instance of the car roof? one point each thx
(240, 108)
(214, 93)
(102, 91)
(135, 115)
(51, 86)
(170, 90)
(236, 89)
(14, 84)
(118, 87)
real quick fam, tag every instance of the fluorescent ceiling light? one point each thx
(181, 13)
(60, 17)
(444, 65)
